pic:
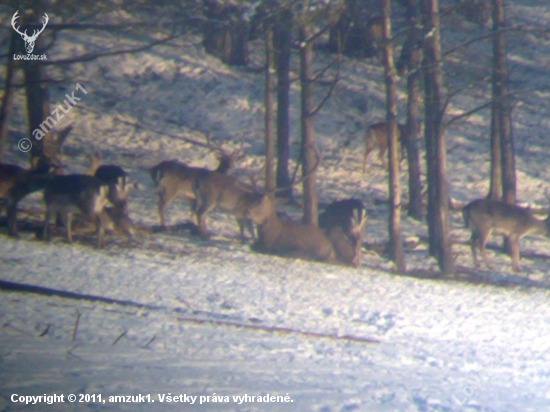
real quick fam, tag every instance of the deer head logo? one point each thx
(29, 40)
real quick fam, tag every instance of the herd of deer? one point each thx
(101, 194)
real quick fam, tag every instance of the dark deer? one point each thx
(376, 136)
(344, 222)
(72, 194)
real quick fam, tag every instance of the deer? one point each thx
(16, 183)
(173, 179)
(483, 216)
(215, 189)
(76, 193)
(286, 238)
(115, 216)
(344, 222)
(376, 136)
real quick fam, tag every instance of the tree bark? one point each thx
(283, 43)
(269, 109)
(309, 149)
(7, 98)
(411, 62)
(501, 100)
(394, 229)
(438, 204)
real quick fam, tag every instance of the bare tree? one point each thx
(410, 63)
(438, 207)
(269, 109)
(7, 98)
(283, 44)
(309, 146)
(395, 242)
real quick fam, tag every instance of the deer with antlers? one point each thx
(29, 40)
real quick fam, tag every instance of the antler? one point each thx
(13, 20)
(37, 32)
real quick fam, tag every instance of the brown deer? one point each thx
(482, 216)
(173, 179)
(16, 183)
(286, 238)
(214, 189)
(376, 136)
(76, 193)
(344, 222)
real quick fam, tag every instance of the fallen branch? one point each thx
(333, 336)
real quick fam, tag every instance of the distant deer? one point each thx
(16, 183)
(344, 223)
(482, 216)
(214, 189)
(285, 238)
(173, 179)
(117, 216)
(376, 136)
(76, 193)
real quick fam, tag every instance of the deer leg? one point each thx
(68, 221)
(192, 208)
(482, 241)
(474, 242)
(100, 231)
(45, 231)
(514, 252)
(367, 152)
(12, 217)
(382, 157)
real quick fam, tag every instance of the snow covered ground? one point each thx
(169, 314)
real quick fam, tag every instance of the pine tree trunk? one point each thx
(395, 242)
(309, 149)
(7, 98)
(283, 43)
(502, 103)
(269, 109)
(438, 205)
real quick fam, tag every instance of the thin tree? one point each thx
(283, 45)
(395, 242)
(438, 206)
(269, 109)
(7, 98)
(308, 144)
(410, 63)
(501, 101)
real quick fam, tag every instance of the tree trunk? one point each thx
(495, 188)
(395, 243)
(38, 109)
(269, 109)
(438, 204)
(501, 100)
(283, 44)
(7, 98)
(309, 149)
(411, 62)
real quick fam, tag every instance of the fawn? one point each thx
(376, 136)
(215, 189)
(482, 216)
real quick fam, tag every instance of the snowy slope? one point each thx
(204, 318)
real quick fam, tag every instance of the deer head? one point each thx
(29, 40)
